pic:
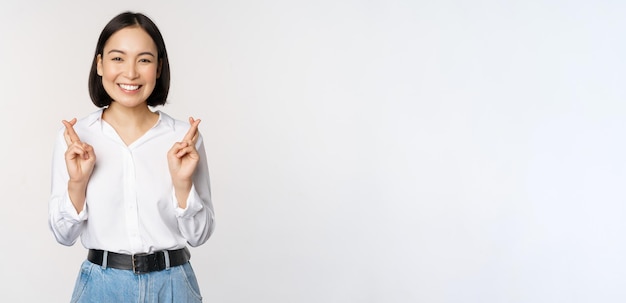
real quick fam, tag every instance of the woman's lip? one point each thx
(129, 87)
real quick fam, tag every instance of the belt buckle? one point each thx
(136, 268)
(134, 264)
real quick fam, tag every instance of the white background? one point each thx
(360, 151)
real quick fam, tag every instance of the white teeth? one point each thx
(129, 87)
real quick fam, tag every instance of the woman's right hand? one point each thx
(79, 157)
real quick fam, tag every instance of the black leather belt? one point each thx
(141, 263)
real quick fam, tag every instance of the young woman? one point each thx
(131, 182)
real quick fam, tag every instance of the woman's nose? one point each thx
(131, 70)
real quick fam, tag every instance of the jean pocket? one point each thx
(81, 280)
(191, 281)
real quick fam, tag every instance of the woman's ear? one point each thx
(99, 65)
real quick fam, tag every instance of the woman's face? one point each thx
(129, 66)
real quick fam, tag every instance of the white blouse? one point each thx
(130, 205)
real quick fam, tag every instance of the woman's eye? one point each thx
(116, 59)
(144, 60)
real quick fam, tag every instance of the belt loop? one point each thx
(166, 255)
(105, 258)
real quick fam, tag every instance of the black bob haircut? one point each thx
(98, 95)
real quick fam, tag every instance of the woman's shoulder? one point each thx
(89, 119)
(176, 124)
(82, 125)
(84, 121)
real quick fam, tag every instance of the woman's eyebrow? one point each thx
(146, 53)
(124, 53)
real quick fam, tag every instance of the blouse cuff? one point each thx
(194, 204)
(68, 211)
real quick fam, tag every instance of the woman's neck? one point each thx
(130, 123)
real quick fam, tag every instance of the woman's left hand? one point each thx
(183, 157)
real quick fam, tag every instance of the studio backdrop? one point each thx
(359, 151)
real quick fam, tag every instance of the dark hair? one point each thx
(98, 95)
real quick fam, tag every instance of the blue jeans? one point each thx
(98, 284)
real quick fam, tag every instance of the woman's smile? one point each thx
(129, 87)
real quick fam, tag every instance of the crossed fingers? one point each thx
(188, 143)
(69, 134)
(192, 133)
(75, 146)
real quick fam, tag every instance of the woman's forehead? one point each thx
(130, 40)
